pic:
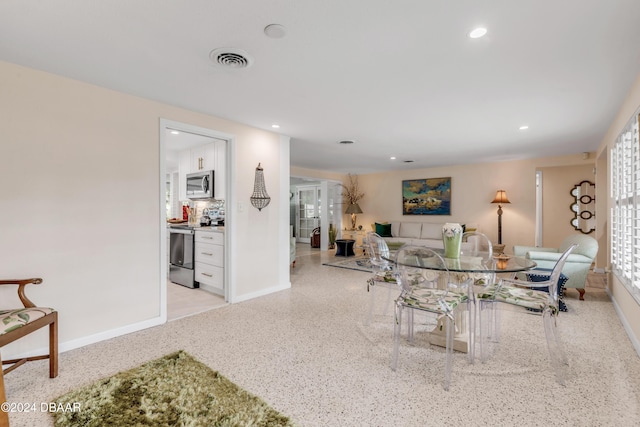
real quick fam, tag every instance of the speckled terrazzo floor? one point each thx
(306, 352)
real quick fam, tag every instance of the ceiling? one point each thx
(398, 78)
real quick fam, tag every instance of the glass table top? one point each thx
(471, 264)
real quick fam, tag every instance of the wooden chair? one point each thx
(17, 323)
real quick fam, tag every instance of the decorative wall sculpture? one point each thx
(584, 207)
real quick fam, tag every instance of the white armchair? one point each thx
(577, 266)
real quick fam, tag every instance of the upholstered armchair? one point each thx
(577, 265)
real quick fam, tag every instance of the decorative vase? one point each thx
(452, 239)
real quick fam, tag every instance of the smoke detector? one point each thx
(228, 57)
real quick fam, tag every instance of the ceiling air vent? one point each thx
(231, 58)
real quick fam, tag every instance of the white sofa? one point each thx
(420, 233)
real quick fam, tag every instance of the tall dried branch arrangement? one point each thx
(351, 192)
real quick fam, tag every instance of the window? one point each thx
(625, 213)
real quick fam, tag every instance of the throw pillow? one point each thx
(383, 230)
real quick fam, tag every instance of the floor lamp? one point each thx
(501, 197)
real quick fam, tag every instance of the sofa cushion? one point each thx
(410, 230)
(395, 229)
(383, 230)
(431, 231)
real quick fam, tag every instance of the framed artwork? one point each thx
(431, 196)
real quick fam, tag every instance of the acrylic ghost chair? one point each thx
(522, 295)
(383, 274)
(430, 292)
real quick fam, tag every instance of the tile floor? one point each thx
(184, 302)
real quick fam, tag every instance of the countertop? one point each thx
(198, 227)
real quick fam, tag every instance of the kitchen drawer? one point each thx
(209, 254)
(209, 237)
(210, 275)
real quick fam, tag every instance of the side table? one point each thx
(344, 247)
(358, 235)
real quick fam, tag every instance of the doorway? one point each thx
(176, 141)
(314, 203)
(308, 209)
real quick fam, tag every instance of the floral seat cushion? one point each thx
(429, 299)
(522, 297)
(542, 274)
(14, 319)
(385, 276)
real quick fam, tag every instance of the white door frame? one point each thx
(229, 234)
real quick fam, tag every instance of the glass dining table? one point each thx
(482, 262)
(466, 268)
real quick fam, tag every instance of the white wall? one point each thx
(79, 203)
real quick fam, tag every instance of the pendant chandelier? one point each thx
(259, 199)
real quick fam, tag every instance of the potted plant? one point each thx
(333, 233)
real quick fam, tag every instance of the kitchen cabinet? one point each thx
(205, 157)
(220, 168)
(209, 260)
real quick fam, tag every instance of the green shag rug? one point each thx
(175, 390)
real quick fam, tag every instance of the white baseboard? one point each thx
(95, 338)
(260, 293)
(627, 327)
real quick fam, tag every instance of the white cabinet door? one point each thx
(203, 158)
(220, 168)
(209, 261)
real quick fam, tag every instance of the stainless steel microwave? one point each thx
(200, 185)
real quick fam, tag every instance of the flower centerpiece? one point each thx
(452, 239)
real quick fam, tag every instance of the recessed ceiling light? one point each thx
(275, 31)
(175, 132)
(478, 32)
(275, 126)
(524, 127)
(392, 158)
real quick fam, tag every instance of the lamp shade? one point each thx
(353, 208)
(501, 197)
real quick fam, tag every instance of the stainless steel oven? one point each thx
(181, 256)
(200, 185)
